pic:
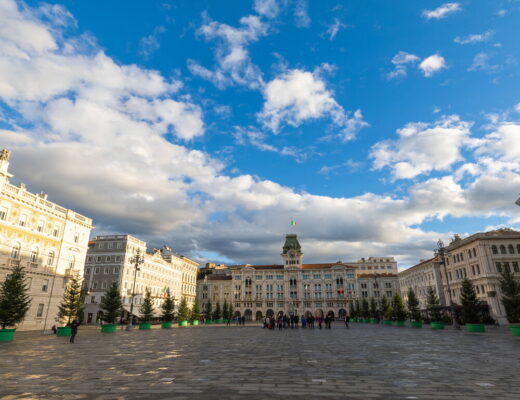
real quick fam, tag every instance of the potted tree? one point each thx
(511, 300)
(398, 310)
(111, 305)
(217, 314)
(365, 310)
(14, 302)
(413, 309)
(167, 308)
(208, 312)
(231, 311)
(71, 306)
(195, 313)
(374, 312)
(351, 311)
(434, 309)
(471, 307)
(357, 307)
(147, 311)
(385, 307)
(184, 312)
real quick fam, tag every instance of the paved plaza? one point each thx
(218, 362)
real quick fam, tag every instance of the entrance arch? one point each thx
(259, 315)
(237, 314)
(280, 314)
(308, 314)
(269, 313)
(330, 314)
(342, 313)
(319, 313)
(248, 314)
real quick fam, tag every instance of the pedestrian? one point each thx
(54, 330)
(304, 321)
(347, 319)
(73, 330)
(319, 322)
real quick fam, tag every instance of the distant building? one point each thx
(295, 288)
(48, 240)
(110, 259)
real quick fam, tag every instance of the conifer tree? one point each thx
(147, 308)
(231, 311)
(71, 306)
(184, 310)
(225, 310)
(111, 304)
(413, 306)
(510, 289)
(217, 314)
(14, 300)
(209, 310)
(167, 308)
(365, 310)
(374, 313)
(385, 305)
(351, 310)
(357, 308)
(434, 306)
(471, 306)
(398, 308)
(195, 311)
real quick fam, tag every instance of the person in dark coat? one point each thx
(73, 330)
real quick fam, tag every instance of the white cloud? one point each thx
(481, 63)
(267, 8)
(400, 60)
(443, 11)
(297, 96)
(431, 65)
(234, 65)
(423, 147)
(150, 44)
(474, 38)
(334, 28)
(301, 13)
(517, 107)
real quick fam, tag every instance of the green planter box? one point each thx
(219, 321)
(475, 327)
(64, 331)
(195, 322)
(366, 320)
(167, 325)
(374, 321)
(398, 323)
(416, 324)
(183, 323)
(144, 326)
(387, 322)
(7, 335)
(515, 330)
(208, 322)
(437, 325)
(108, 328)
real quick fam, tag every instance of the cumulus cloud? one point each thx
(400, 60)
(297, 96)
(443, 11)
(234, 65)
(481, 63)
(267, 8)
(423, 147)
(475, 38)
(431, 65)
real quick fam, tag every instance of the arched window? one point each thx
(34, 255)
(494, 249)
(72, 262)
(50, 258)
(15, 251)
(511, 249)
(518, 248)
(503, 249)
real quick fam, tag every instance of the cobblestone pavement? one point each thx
(218, 362)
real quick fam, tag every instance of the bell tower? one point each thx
(292, 255)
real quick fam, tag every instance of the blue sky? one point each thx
(379, 126)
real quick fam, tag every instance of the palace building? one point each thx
(296, 288)
(48, 240)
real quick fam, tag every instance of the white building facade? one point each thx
(48, 240)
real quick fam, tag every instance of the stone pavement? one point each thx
(218, 362)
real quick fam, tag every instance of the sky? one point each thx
(379, 127)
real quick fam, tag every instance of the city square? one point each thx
(367, 361)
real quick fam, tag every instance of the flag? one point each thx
(293, 222)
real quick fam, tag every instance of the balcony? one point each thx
(13, 262)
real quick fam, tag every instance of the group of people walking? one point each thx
(293, 321)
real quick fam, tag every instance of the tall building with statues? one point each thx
(296, 288)
(48, 240)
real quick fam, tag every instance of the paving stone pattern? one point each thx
(219, 362)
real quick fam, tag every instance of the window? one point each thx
(109, 245)
(116, 270)
(279, 277)
(72, 262)
(96, 270)
(92, 299)
(269, 277)
(107, 259)
(499, 267)
(87, 271)
(76, 237)
(101, 245)
(98, 259)
(56, 230)
(388, 285)
(474, 252)
(28, 282)
(258, 277)
(15, 251)
(511, 249)
(3, 213)
(119, 245)
(478, 269)
(41, 225)
(45, 285)
(118, 258)
(502, 249)
(34, 256)
(494, 249)
(94, 285)
(518, 248)
(388, 293)
(39, 312)
(316, 276)
(50, 258)
(23, 220)
(103, 285)
(238, 277)
(328, 276)
(515, 266)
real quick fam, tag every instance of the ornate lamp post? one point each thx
(137, 260)
(442, 252)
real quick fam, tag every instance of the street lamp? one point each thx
(442, 252)
(137, 260)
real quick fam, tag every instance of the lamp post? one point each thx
(442, 252)
(137, 260)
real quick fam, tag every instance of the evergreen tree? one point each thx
(167, 308)
(184, 310)
(510, 296)
(471, 306)
(195, 311)
(71, 306)
(365, 310)
(225, 310)
(231, 311)
(413, 306)
(14, 301)
(434, 306)
(351, 310)
(209, 310)
(147, 308)
(111, 304)
(217, 314)
(357, 308)
(374, 312)
(398, 308)
(385, 305)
